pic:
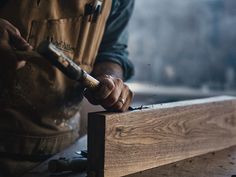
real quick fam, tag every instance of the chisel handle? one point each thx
(66, 65)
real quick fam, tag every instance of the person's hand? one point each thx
(112, 94)
(10, 40)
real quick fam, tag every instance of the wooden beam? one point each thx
(124, 143)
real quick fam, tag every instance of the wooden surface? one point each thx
(144, 139)
(217, 164)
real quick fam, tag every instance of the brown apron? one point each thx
(38, 104)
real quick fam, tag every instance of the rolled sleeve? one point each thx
(114, 44)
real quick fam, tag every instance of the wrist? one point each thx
(107, 68)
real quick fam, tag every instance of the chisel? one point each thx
(66, 65)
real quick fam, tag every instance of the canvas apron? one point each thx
(38, 104)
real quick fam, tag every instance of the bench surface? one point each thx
(185, 139)
(215, 164)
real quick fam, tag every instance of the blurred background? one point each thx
(181, 49)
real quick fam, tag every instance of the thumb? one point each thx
(17, 41)
(105, 88)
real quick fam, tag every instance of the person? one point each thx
(39, 112)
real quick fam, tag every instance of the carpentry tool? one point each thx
(66, 165)
(76, 164)
(58, 59)
(66, 65)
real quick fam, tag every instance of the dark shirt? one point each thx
(114, 44)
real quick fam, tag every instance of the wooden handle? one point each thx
(90, 82)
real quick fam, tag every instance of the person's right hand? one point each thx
(10, 40)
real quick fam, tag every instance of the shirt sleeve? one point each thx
(115, 40)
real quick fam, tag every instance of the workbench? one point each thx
(215, 164)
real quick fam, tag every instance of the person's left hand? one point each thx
(112, 94)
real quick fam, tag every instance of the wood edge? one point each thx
(184, 103)
(96, 145)
(193, 102)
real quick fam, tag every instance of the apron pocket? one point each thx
(63, 33)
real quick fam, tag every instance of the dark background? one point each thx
(184, 43)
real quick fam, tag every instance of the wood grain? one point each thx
(143, 139)
(214, 164)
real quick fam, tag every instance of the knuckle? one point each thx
(125, 87)
(108, 84)
(109, 77)
(119, 81)
(111, 86)
(113, 99)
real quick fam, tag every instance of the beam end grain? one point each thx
(96, 146)
(165, 133)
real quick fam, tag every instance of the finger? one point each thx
(114, 96)
(128, 102)
(9, 33)
(106, 87)
(17, 41)
(10, 36)
(122, 99)
(111, 99)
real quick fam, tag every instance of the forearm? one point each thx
(108, 68)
